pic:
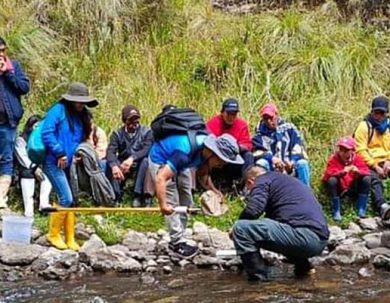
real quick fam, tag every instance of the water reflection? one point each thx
(205, 286)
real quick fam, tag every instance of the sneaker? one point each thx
(303, 268)
(183, 251)
(148, 201)
(137, 202)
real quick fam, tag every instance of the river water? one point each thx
(327, 285)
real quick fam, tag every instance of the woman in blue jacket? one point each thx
(65, 126)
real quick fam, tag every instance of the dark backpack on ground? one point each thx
(176, 121)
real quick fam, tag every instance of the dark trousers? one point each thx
(137, 171)
(377, 191)
(360, 186)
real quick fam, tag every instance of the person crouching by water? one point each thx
(294, 223)
(29, 173)
(65, 126)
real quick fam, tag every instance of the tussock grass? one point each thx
(321, 72)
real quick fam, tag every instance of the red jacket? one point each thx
(335, 168)
(238, 130)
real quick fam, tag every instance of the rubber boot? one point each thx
(303, 268)
(336, 204)
(70, 221)
(28, 187)
(255, 266)
(362, 205)
(54, 236)
(5, 183)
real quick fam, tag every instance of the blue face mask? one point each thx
(381, 127)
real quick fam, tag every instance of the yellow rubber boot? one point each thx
(54, 235)
(70, 222)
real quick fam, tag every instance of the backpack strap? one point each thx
(370, 131)
(192, 138)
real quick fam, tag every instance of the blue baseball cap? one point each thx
(230, 105)
(380, 103)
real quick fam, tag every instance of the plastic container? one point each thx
(17, 229)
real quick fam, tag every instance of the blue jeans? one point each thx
(302, 169)
(293, 242)
(59, 179)
(7, 143)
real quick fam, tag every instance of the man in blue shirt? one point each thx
(13, 84)
(174, 154)
(294, 223)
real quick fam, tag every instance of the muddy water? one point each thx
(328, 285)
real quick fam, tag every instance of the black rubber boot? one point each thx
(303, 268)
(255, 266)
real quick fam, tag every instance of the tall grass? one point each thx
(321, 72)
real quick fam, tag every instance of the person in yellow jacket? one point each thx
(373, 144)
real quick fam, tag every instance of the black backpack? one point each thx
(174, 121)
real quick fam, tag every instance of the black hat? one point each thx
(230, 105)
(380, 103)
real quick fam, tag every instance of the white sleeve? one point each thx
(21, 153)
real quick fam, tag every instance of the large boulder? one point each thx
(348, 255)
(337, 235)
(139, 241)
(214, 238)
(91, 246)
(372, 240)
(19, 253)
(369, 224)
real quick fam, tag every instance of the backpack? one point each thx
(176, 121)
(36, 149)
(369, 128)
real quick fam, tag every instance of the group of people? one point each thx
(272, 164)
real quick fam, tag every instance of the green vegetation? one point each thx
(320, 71)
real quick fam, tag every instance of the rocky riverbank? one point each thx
(366, 244)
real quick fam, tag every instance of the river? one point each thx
(327, 285)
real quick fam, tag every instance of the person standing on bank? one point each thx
(13, 85)
(30, 173)
(294, 223)
(65, 126)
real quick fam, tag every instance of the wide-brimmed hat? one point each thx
(225, 147)
(78, 92)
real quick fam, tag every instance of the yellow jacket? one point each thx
(375, 151)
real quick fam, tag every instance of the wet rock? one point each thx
(90, 247)
(167, 269)
(372, 240)
(385, 239)
(150, 263)
(214, 238)
(19, 253)
(147, 278)
(183, 263)
(151, 269)
(381, 261)
(81, 232)
(162, 246)
(98, 300)
(354, 228)
(138, 255)
(177, 283)
(56, 264)
(349, 254)
(203, 260)
(233, 262)
(369, 223)
(337, 235)
(163, 260)
(107, 259)
(42, 240)
(271, 257)
(199, 228)
(352, 240)
(380, 251)
(138, 241)
(365, 272)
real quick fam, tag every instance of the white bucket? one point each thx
(17, 229)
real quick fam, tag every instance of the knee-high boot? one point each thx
(70, 222)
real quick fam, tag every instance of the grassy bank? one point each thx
(321, 72)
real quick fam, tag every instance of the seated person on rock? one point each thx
(373, 144)
(278, 145)
(294, 224)
(127, 154)
(173, 154)
(347, 173)
(29, 173)
(228, 122)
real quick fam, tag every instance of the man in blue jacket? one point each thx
(294, 223)
(13, 84)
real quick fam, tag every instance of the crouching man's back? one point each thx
(294, 223)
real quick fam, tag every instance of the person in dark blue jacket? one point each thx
(65, 126)
(13, 85)
(294, 223)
